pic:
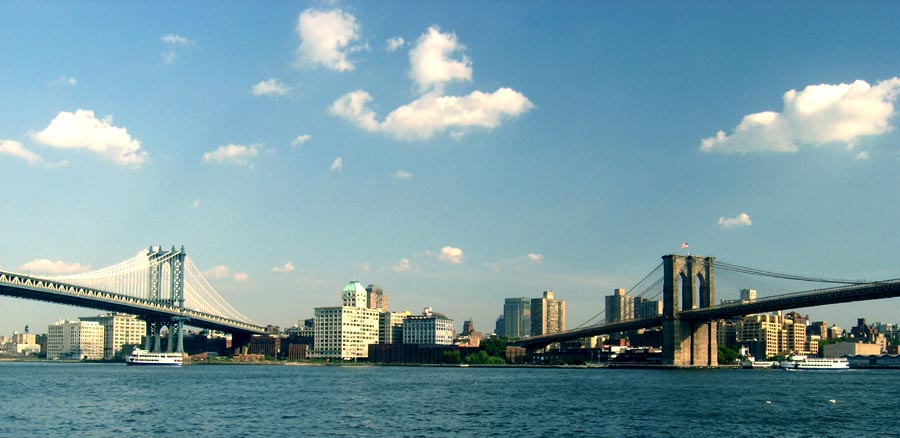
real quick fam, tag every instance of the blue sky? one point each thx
(456, 153)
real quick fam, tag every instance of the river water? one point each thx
(113, 400)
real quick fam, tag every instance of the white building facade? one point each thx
(345, 332)
(119, 330)
(429, 328)
(75, 340)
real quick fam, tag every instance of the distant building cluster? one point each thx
(345, 332)
(523, 317)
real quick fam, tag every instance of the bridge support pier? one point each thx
(240, 343)
(688, 343)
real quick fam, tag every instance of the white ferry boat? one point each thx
(750, 362)
(146, 358)
(820, 364)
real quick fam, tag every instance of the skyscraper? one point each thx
(548, 315)
(517, 317)
(377, 298)
(619, 306)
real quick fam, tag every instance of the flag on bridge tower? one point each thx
(684, 245)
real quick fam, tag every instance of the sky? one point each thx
(456, 153)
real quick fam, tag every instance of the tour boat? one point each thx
(819, 364)
(146, 358)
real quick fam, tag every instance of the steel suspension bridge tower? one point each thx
(166, 286)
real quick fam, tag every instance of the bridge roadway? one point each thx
(817, 297)
(24, 286)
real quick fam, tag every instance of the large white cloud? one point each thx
(394, 44)
(222, 272)
(432, 114)
(326, 37)
(402, 266)
(451, 255)
(283, 269)
(741, 220)
(15, 149)
(431, 63)
(337, 165)
(819, 114)
(82, 130)
(270, 87)
(232, 154)
(177, 40)
(57, 267)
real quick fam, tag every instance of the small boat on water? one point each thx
(817, 364)
(145, 358)
(750, 362)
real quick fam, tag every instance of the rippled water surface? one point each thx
(51, 399)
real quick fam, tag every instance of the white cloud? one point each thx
(431, 63)
(337, 164)
(222, 272)
(325, 38)
(232, 154)
(352, 106)
(270, 87)
(817, 115)
(432, 66)
(58, 267)
(402, 174)
(81, 130)
(195, 204)
(534, 258)
(431, 114)
(64, 80)
(303, 138)
(520, 263)
(177, 40)
(451, 255)
(741, 220)
(394, 44)
(402, 266)
(169, 57)
(862, 155)
(218, 272)
(287, 267)
(15, 149)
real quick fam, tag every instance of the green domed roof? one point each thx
(354, 286)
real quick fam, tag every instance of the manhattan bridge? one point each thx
(163, 287)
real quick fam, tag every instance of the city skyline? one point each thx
(456, 154)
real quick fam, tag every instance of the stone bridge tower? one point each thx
(688, 343)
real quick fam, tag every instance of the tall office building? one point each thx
(376, 297)
(500, 326)
(644, 308)
(345, 332)
(391, 327)
(119, 330)
(75, 340)
(619, 306)
(748, 295)
(429, 328)
(548, 315)
(517, 317)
